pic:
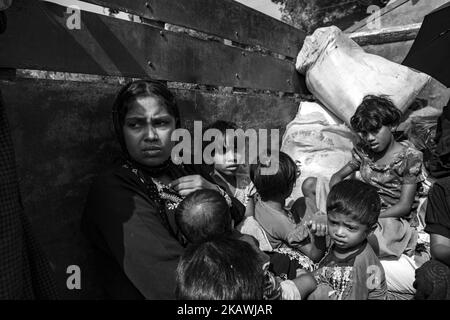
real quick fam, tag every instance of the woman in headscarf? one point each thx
(129, 211)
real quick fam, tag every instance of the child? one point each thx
(394, 168)
(204, 216)
(223, 268)
(351, 269)
(269, 210)
(227, 172)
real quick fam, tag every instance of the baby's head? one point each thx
(374, 120)
(220, 269)
(353, 208)
(202, 215)
(226, 161)
(278, 185)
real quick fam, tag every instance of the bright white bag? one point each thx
(321, 144)
(340, 73)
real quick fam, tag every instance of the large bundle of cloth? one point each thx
(340, 73)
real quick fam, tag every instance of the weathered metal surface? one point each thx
(224, 18)
(38, 38)
(398, 13)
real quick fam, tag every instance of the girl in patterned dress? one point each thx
(394, 168)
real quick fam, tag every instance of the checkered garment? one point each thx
(24, 270)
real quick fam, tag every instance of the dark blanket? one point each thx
(439, 164)
(24, 271)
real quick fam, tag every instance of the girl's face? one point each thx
(345, 232)
(379, 140)
(147, 130)
(226, 161)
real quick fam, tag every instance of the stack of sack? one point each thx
(320, 142)
(339, 73)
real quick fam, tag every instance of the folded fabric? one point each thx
(432, 281)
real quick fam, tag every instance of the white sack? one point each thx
(340, 73)
(321, 144)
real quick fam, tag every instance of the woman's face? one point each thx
(147, 130)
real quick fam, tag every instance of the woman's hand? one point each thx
(188, 184)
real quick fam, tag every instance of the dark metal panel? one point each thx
(38, 38)
(224, 18)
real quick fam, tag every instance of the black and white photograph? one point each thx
(224, 155)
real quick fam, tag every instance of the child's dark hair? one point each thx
(203, 215)
(220, 269)
(280, 184)
(373, 113)
(222, 126)
(357, 199)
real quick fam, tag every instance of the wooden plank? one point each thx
(386, 35)
(383, 11)
(224, 18)
(38, 38)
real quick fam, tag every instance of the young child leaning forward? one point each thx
(298, 240)
(350, 269)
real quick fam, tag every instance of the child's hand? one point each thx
(188, 184)
(317, 228)
(323, 292)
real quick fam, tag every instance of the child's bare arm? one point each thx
(318, 231)
(250, 207)
(343, 173)
(403, 207)
(315, 245)
(305, 283)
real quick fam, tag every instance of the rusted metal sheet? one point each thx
(224, 18)
(63, 137)
(386, 35)
(38, 38)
